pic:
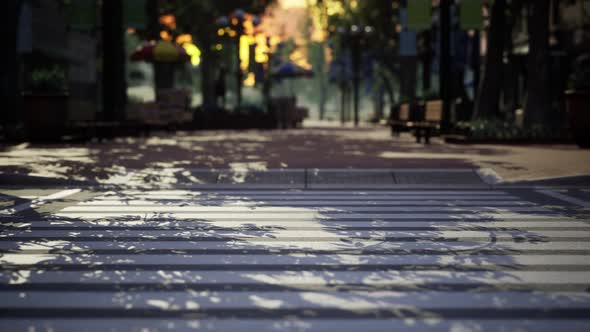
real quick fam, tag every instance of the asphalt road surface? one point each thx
(346, 259)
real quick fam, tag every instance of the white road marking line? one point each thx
(336, 247)
(181, 261)
(300, 225)
(310, 203)
(313, 192)
(565, 198)
(293, 325)
(271, 198)
(288, 209)
(389, 277)
(312, 216)
(349, 301)
(304, 229)
(39, 201)
(298, 235)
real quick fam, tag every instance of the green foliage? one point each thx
(197, 17)
(135, 100)
(405, 99)
(48, 80)
(431, 94)
(501, 130)
(382, 42)
(580, 77)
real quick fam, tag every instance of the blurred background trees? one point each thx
(199, 19)
(502, 61)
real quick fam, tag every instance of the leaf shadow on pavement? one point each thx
(112, 162)
(203, 255)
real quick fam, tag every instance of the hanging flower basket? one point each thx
(161, 51)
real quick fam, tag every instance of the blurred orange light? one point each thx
(245, 42)
(250, 80)
(165, 35)
(168, 21)
(193, 51)
(184, 38)
(261, 50)
(248, 27)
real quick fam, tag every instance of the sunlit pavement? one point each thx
(173, 155)
(307, 230)
(422, 251)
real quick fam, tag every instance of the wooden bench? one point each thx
(404, 120)
(400, 120)
(433, 115)
(286, 112)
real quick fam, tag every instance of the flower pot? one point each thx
(578, 107)
(45, 114)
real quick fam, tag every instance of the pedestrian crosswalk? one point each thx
(296, 260)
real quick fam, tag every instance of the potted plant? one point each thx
(578, 101)
(45, 103)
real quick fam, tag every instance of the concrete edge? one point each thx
(489, 176)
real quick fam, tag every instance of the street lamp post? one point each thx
(445, 62)
(356, 36)
(236, 22)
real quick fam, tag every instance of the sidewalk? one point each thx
(279, 256)
(365, 148)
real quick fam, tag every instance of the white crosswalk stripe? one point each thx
(274, 260)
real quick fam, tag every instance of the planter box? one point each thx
(467, 140)
(45, 115)
(213, 120)
(578, 108)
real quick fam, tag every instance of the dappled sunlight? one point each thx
(226, 136)
(411, 255)
(45, 162)
(393, 166)
(109, 162)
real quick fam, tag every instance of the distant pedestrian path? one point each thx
(237, 259)
(114, 161)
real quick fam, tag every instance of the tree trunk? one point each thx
(378, 103)
(207, 76)
(408, 77)
(426, 59)
(488, 96)
(163, 72)
(114, 81)
(388, 86)
(538, 101)
(9, 70)
(445, 64)
(321, 70)
(476, 61)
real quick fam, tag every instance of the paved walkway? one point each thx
(297, 260)
(306, 230)
(365, 148)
